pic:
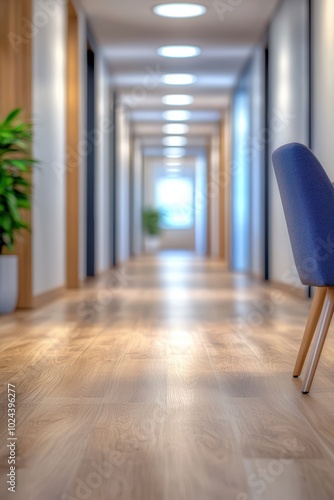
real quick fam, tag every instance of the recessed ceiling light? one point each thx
(174, 140)
(179, 51)
(174, 152)
(177, 115)
(175, 128)
(177, 99)
(181, 10)
(173, 163)
(178, 79)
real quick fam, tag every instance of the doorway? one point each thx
(113, 178)
(90, 177)
(266, 271)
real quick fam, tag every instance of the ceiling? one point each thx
(130, 33)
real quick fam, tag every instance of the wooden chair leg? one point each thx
(322, 330)
(310, 328)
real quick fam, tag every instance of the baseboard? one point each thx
(46, 297)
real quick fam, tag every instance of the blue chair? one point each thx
(308, 202)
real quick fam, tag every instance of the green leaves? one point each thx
(15, 137)
(13, 207)
(6, 222)
(151, 221)
(15, 186)
(12, 115)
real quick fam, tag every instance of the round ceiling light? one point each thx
(178, 79)
(177, 100)
(173, 170)
(174, 140)
(179, 51)
(173, 163)
(179, 10)
(174, 152)
(175, 128)
(177, 115)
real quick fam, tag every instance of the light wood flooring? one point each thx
(170, 380)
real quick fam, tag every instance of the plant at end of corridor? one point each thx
(151, 221)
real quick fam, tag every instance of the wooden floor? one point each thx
(168, 380)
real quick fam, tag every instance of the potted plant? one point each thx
(15, 190)
(151, 225)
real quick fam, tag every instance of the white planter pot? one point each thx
(152, 243)
(9, 276)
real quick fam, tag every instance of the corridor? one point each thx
(167, 379)
(166, 250)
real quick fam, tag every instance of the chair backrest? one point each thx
(308, 202)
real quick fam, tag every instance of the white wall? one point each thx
(137, 206)
(214, 173)
(226, 181)
(249, 149)
(102, 165)
(241, 175)
(49, 116)
(201, 204)
(288, 75)
(123, 185)
(82, 34)
(49, 110)
(257, 157)
(323, 82)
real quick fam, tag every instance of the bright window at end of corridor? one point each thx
(174, 198)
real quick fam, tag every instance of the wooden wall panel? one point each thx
(225, 189)
(209, 196)
(16, 91)
(222, 195)
(73, 104)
